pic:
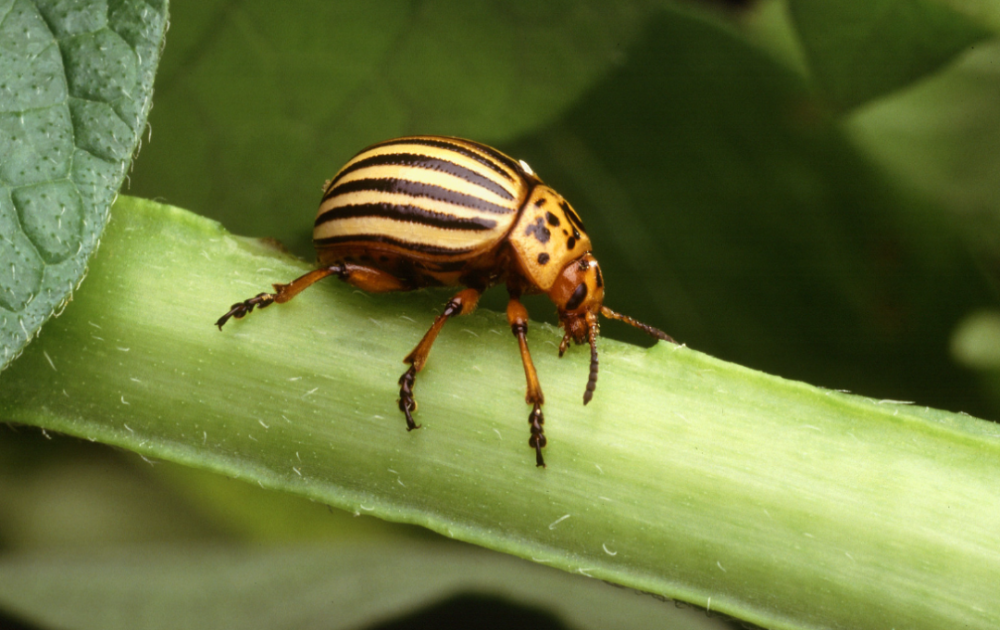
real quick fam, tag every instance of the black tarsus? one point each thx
(406, 402)
(537, 440)
(240, 309)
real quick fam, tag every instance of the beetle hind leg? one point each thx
(463, 303)
(283, 293)
(241, 309)
(365, 278)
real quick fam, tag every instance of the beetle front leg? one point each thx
(463, 303)
(517, 317)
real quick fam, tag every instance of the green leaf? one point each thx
(75, 87)
(256, 107)
(862, 49)
(782, 504)
(313, 586)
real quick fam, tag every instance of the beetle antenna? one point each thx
(649, 330)
(592, 380)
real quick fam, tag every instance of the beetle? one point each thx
(426, 211)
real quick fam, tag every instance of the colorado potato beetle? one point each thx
(439, 211)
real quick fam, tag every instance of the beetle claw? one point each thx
(241, 309)
(407, 404)
(537, 439)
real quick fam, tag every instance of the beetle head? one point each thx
(578, 293)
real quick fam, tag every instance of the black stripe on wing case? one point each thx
(402, 212)
(419, 189)
(500, 157)
(443, 143)
(388, 240)
(426, 162)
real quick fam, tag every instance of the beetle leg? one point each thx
(283, 293)
(365, 278)
(463, 303)
(564, 344)
(517, 317)
(372, 280)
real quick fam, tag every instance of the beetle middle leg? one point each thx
(463, 303)
(517, 317)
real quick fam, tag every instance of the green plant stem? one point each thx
(779, 503)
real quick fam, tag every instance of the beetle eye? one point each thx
(584, 264)
(577, 298)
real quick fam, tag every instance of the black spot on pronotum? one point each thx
(538, 230)
(543, 258)
(540, 202)
(573, 217)
(552, 219)
(600, 279)
(571, 243)
(577, 298)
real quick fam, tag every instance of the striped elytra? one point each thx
(440, 211)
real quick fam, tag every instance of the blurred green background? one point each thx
(807, 188)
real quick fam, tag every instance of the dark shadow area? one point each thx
(476, 611)
(9, 621)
